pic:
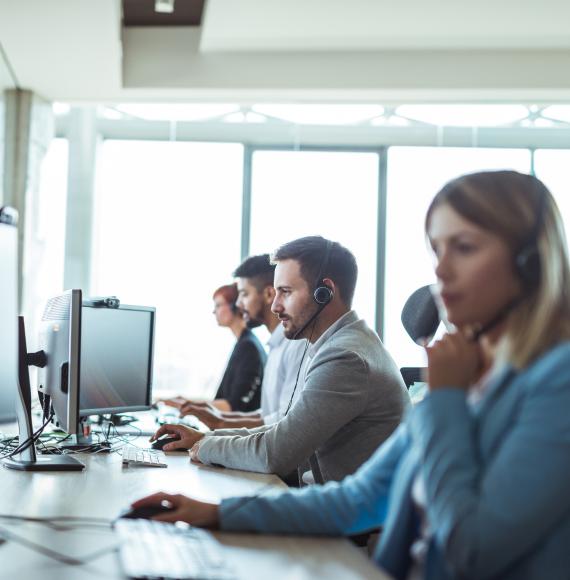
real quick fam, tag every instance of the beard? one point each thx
(298, 330)
(254, 320)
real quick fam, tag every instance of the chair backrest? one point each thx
(419, 314)
(413, 375)
(420, 319)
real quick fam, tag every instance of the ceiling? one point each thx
(299, 50)
(143, 13)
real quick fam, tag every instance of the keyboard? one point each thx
(151, 549)
(143, 457)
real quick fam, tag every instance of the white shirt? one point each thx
(279, 375)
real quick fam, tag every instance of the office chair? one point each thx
(420, 319)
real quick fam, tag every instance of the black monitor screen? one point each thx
(116, 359)
(8, 320)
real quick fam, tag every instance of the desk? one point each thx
(105, 487)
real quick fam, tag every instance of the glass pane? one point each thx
(321, 114)
(167, 234)
(45, 234)
(464, 115)
(173, 112)
(304, 193)
(415, 174)
(551, 166)
(558, 112)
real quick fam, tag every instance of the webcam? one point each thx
(105, 302)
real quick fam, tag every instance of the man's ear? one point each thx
(330, 284)
(269, 294)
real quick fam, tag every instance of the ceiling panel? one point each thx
(143, 13)
(303, 25)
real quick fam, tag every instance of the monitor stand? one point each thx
(29, 459)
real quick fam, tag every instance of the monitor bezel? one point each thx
(133, 408)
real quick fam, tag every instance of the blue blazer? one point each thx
(497, 479)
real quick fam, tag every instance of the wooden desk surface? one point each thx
(105, 487)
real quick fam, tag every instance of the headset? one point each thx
(526, 263)
(527, 258)
(322, 294)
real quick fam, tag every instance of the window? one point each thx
(167, 234)
(550, 166)
(333, 194)
(415, 174)
(45, 234)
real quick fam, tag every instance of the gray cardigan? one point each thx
(350, 401)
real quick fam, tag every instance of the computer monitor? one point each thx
(15, 398)
(59, 338)
(117, 346)
(8, 314)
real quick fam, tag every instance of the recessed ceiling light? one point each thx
(164, 6)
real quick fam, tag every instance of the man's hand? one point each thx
(179, 402)
(197, 513)
(187, 436)
(212, 418)
(195, 452)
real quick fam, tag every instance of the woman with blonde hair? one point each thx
(476, 483)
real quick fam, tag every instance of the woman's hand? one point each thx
(197, 513)
(453, 361)
(186, 436)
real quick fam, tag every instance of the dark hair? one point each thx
(258, 270)
(310, 252)
(229, 293)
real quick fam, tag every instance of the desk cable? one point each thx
(8, 535)
(29, 441)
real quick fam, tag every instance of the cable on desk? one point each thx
(73, 522)
(7, 535)
(29, 441)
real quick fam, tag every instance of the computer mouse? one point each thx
(145, 512)
(160, 443)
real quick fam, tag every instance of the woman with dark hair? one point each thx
(240, 388)
(475, 484)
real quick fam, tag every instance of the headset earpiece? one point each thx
(323, 295)
(527, 264)
(527, 259)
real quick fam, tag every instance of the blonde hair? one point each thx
(521, 211)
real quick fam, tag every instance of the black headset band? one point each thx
(324, 263)
(534, 234)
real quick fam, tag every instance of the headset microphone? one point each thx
(496, 320)
(313, 317)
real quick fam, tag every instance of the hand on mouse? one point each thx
(187, 436)
(196, 513)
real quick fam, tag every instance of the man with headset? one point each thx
(349, 395)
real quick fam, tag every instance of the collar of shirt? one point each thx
(344, 320)
(277, 337)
